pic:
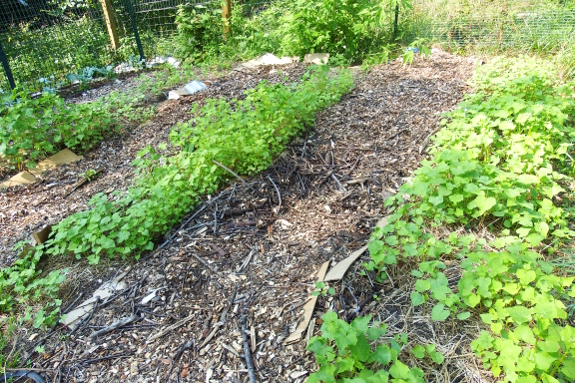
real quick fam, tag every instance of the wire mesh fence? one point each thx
(496, 26)
(45, 40)
(41, 38)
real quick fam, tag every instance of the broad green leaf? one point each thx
(438, 313)
(519, 314)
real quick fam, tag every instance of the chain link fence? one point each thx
(44, 41)
(494, 26)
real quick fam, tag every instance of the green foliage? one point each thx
(420, 352)
(200, 31)
(8, 327)
(503, 156)
(321, 288)
(353, 353)
(33, 128)
(349, 30)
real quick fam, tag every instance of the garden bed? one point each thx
(28, 209)
(255, 248)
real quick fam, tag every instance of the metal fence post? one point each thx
(396, 19)
(6, 66)
(135, 28)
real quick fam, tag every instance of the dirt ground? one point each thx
(252, 252)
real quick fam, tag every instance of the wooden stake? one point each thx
(226, 14)
(111, 23)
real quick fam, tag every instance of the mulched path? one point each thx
(255, 254)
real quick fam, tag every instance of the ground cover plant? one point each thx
(502, 166)
(244, 136)
(33, 128)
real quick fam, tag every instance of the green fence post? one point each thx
(135, 28)
(6, 66)
(396, 19)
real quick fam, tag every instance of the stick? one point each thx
(248, 355)
(121, 355)
(236, 175)
(170, 328)
(181, 226)
(279, 195)
(426, 141)
(114, 326)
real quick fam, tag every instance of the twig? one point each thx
(185, 346)
(170, 328)
(279, 195)
(237, 176)
(180, 228)
(73, 303)
(120, 355)
(248, 355)
(114, 326)
(339, 183)
(203, 262)
(87, 319)
(426, 141)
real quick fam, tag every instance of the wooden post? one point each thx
(226, 14)
(111, 23)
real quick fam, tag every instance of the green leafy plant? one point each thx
(353, 352)
(421, 352)
(322, 289)
(34, 128)
(502, 157)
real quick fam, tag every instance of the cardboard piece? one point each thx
(188, 89)
(316, 58)
(22, 178)
(74, 317)
(63, 157)
(338, 271)
(308, 308)
(268, 59)
(42, 236)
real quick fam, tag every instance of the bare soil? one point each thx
(255, 254)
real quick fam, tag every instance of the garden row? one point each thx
(494, 200)
(35, 127)
(243, 136)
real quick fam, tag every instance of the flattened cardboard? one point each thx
(316, 58)
(63, 157)
(74, 317)
(338, 271)
(42, 236)
(22, 178)
(268, 59)
(302, 328)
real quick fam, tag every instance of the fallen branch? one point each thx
(114, 326)
(279, 195)
(247, 351)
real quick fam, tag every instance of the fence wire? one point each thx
(45, 40)
(497, 26)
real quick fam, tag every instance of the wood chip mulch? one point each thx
(248, 254)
